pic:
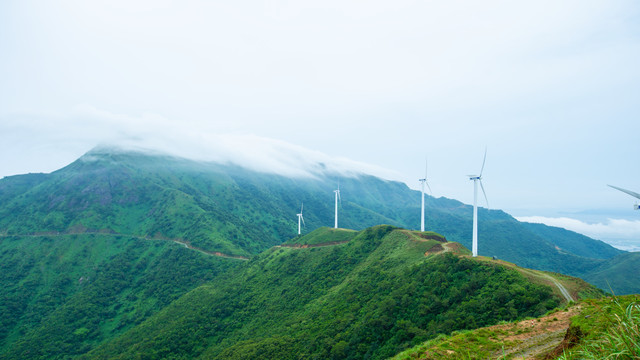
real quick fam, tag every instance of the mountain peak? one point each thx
(252, 152)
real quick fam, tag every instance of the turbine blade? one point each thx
(483, 161)
(301, 207)
(485, 194)
(634, 194)
(302, 218)
(428, 187)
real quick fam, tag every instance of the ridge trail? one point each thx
(561, 287)
(177, 241)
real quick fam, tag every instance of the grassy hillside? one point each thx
(604, 328)
(321, 235)
(608, 275)
(114, 210)
(599, 328)
(65, 294)
(384, 290)
(574, 243)
(233, 210)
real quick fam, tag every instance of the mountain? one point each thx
(233, 210)
(236, 211)
(572, 242)
(101, 247)
(609, 274)
(368, 295)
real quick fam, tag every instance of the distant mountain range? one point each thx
(118, 238)
(236, 211)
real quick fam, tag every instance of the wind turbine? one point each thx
(337, 198)
(423, 182)
(477, 179)
(634, 194)
(300, 218)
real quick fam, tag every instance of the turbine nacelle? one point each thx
(424, 180)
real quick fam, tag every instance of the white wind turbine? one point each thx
(423, 182)
(477, 179)
(300, 218)
(337, 198)
(629, 192)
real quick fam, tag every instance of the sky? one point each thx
(550, 88)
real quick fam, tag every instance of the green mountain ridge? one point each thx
(232, 210)
(86, 250)
(572, 242)
(376, 294)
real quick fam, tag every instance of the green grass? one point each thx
(612, 329)
(323, 235)
(604, 328)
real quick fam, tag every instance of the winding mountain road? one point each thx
(177, 241)
(563, 290)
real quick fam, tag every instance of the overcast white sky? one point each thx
(551, 88)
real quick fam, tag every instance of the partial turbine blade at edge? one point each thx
(634, 194)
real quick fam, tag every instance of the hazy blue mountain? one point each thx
(574, 243)
(617, 275)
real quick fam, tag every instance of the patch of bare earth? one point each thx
(533, 339)
(435, 249)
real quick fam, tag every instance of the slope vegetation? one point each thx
(62, 295)
(609, 273)
(384, 290)
(599, 328)
(225, 208)
(234, 211)
(107, 218)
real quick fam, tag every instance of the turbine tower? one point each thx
(423, 182)
(337, 192)
(477, 179)
(300, 218)
(634, 194)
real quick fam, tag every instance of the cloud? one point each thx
(380, 82)
(87, 127)
(618, 229)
